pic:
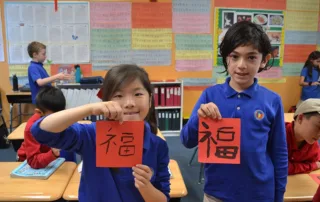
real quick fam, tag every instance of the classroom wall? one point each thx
(293, 54)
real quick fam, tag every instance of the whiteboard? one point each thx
(65, 32)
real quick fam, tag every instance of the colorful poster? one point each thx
(65, 32)
(151, 39)
(22, 70)
(191, 16)
(296, 53)
(305, 5)
(302, 20)
(272, 22)
(149, 15)
(110, 34)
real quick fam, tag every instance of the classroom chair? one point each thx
(201, 165)
(4, 142)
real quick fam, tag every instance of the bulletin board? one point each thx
(66, 32)
(272, 22)
(192, 55)
(174, 34)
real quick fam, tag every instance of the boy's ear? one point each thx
(38, 111)
(299, 118)
(265, 61)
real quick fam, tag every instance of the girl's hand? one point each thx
(142, 176)
(110, 110)
(56, 152)
(209, 110)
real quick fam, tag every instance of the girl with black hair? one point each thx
(127, 96)
(309, 77)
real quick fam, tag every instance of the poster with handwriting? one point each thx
(191, 16)
(151, 39)
(193, 52)
(119, 145)
(65, 32)
(110, 34)
(219, 140)
(151, 15)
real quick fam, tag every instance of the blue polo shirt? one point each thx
(36, 71)
(262, 172)
(310, 91)
(101, 184)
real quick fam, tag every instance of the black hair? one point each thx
(121, 75)
(242, 34)
(50, 98)
(308, 64)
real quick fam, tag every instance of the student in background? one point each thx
(316, 197)
(262, 172)
(309, 77)
(48, 101)
(302, 136)
(127, 95)
(37, 75)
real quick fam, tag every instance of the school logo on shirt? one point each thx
(259, 115)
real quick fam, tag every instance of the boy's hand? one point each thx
(209, 110)
(142, 176)
(56, 152)
(111, 110)
(318, 164)
(63, 76)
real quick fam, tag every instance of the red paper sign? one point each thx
(119, 145)
(219, 141)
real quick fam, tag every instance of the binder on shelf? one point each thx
(162, 95)
(179, 96)
(175, 96)
(167, 96)
(171, 96)
(156, 96)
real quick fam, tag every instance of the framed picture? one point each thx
(228, 19)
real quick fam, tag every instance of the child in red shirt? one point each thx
(302, 138)
(48, 101)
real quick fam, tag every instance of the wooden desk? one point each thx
(18, 98)
(18, 189)
(301, 187)
(288, 117)
(17, 136)
(18, 133)
(178, 188)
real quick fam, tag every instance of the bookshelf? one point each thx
(168, 97)
(169, 110)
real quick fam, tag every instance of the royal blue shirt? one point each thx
(36, 71)
(262, 172)
(310, 91)
(101, 184)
